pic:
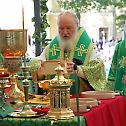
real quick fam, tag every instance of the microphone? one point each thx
(77, 62)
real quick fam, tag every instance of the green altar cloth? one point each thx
(39, 122)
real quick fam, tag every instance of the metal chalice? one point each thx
(13, 65)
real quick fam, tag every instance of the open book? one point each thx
(50, 65)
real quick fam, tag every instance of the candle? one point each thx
(23, 34)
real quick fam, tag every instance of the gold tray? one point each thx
(17, 115)
(38, 100)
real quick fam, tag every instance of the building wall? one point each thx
(92, 21)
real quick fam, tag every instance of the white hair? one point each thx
(70, 13)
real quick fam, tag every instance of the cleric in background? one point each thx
(73, 41)
(117, 73)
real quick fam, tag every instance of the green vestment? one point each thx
(118, 68)
(82, 49)
(1, 60)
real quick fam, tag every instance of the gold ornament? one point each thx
(54, 49)
(122, 62)
(81, 50)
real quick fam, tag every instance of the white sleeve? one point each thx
(42, 56)
(93, 55)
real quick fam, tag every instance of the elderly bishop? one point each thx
(73, 41)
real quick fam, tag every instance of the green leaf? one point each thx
(40, 34)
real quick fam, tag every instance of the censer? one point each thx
(59, 89)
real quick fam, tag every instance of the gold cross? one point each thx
(81, 50)
(54, 49)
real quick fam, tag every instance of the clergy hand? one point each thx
(40, 71)
(69, 67)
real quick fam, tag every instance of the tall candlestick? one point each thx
(23, 35)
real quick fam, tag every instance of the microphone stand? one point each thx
(77, 94)
(76, 87)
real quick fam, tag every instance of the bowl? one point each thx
(44, 84)
(12, 63)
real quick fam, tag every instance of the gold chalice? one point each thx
(13, 65)
(13, 46)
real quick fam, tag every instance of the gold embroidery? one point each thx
(90, 48)
(81, 50)
(124, 78)
(71, 51)
(74, 46)
(54, 49)
(47, 52)
(122, 62)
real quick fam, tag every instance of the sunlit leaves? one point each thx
(99, 5)
(40, 34)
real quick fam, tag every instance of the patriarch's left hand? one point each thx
(70, 67)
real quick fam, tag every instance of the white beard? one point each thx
(67, 44)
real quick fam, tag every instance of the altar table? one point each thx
(39, 122)
(111, 112)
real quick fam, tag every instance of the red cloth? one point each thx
(40, 111)
(110, 112)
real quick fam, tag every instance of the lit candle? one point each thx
(23, 34)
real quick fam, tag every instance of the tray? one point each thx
(38, 100)
(99, 94)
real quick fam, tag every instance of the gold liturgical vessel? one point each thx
(13, 45)
(59, 89)
(26, 111)
(5, 107)
(13, 48)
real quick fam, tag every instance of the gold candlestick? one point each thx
(23, 35)
(26, 111)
